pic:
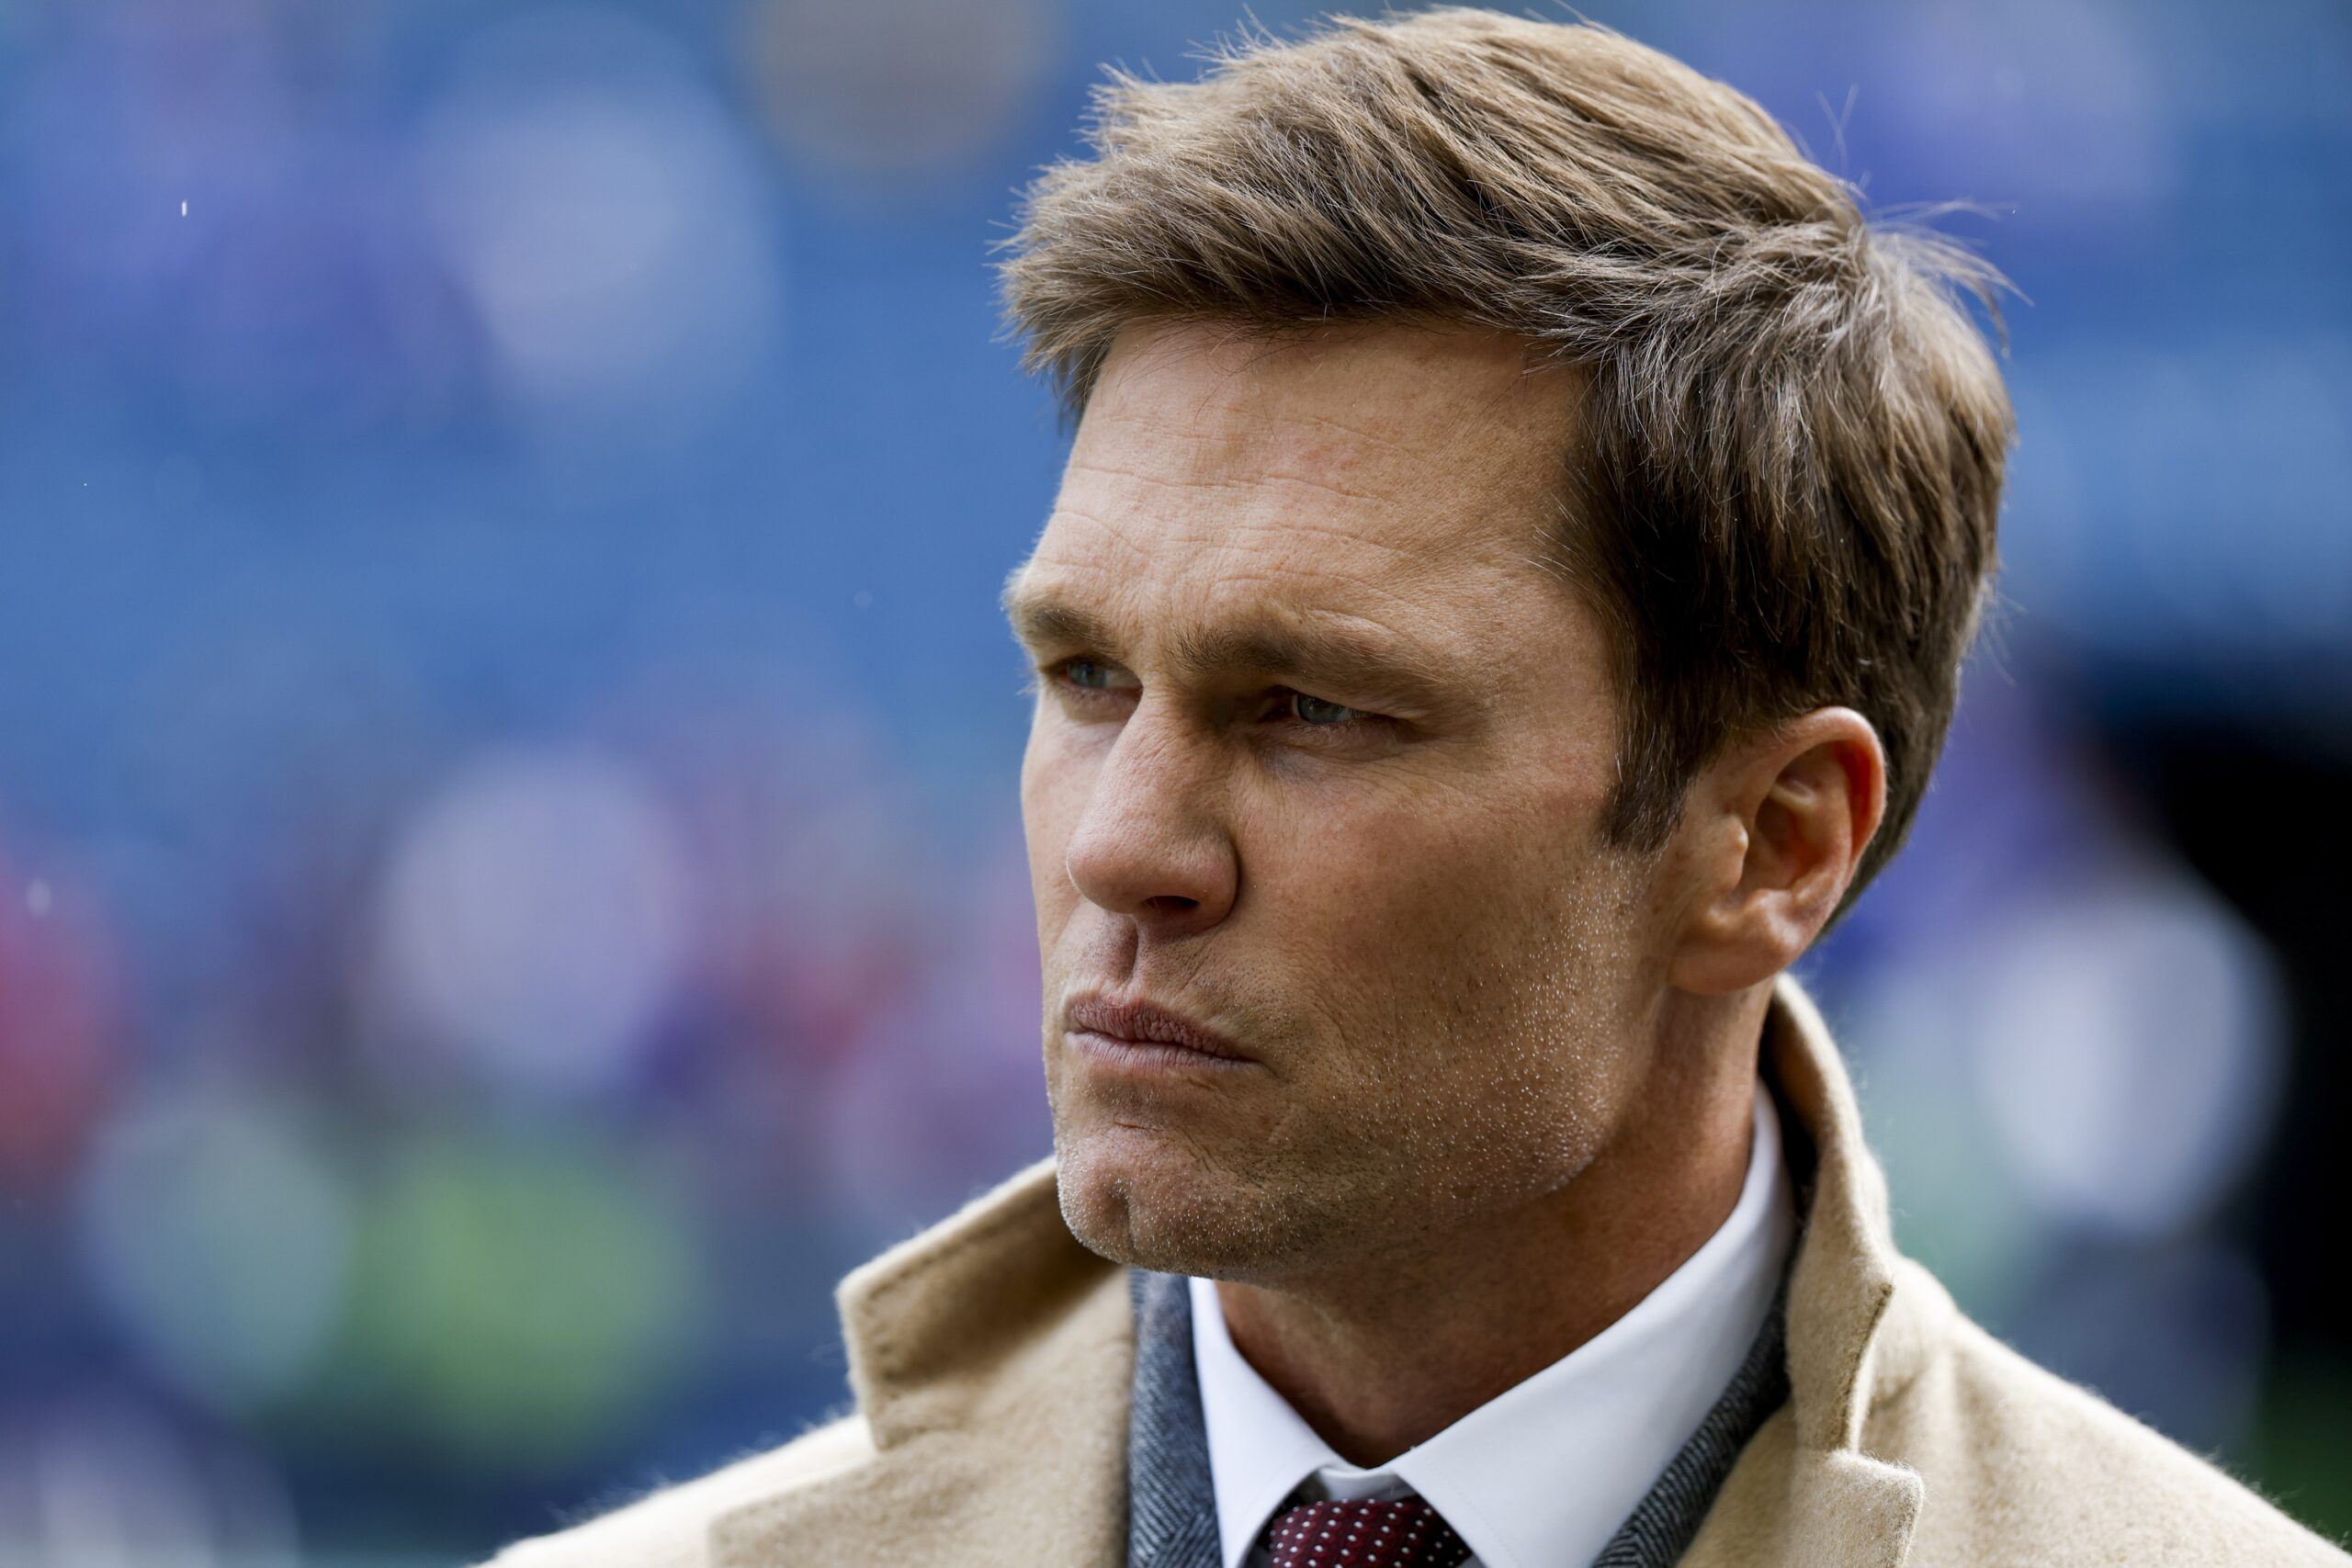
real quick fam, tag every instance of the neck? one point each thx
(1377, 1360)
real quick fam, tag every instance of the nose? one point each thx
(1148, 845)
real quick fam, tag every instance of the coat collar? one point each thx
(1863, 1320)
(992, 1357)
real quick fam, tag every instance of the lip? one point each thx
(1141, 1033)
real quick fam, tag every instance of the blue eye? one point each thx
(1307, 709)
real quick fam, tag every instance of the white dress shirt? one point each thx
(1543, 1474)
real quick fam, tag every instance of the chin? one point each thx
(1148, 1199)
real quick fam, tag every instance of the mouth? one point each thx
(1133, 1033)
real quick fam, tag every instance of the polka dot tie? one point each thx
(1400, 1532)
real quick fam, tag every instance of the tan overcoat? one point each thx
(990, 1359)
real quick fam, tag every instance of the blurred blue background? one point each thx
(510, 862)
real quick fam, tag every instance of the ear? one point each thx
(1775, 828)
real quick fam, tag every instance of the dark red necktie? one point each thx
(1398, 1532)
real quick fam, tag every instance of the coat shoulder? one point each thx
(2021, 1466)
(670, 1528)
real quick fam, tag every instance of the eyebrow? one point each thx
(1380, 668)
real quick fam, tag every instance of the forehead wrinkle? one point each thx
(1434, 534)
(1217, 475)
(1379, 396)
(1298, 471)
(1232, 442)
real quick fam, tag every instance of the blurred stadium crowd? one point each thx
(510, 867)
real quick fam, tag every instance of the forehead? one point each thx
(1395, 474)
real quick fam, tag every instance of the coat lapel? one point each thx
(991, 1358)
(1861, 1324)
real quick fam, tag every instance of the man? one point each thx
(1505, 598)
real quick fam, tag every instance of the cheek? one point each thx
(1376, 882)
(1052, 794)
(1421, 838)
(1418, 901)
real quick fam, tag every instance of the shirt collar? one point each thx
(1612, 1412)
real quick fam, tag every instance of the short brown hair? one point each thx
(1790, 457)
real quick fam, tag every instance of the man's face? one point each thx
(1388, 889)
